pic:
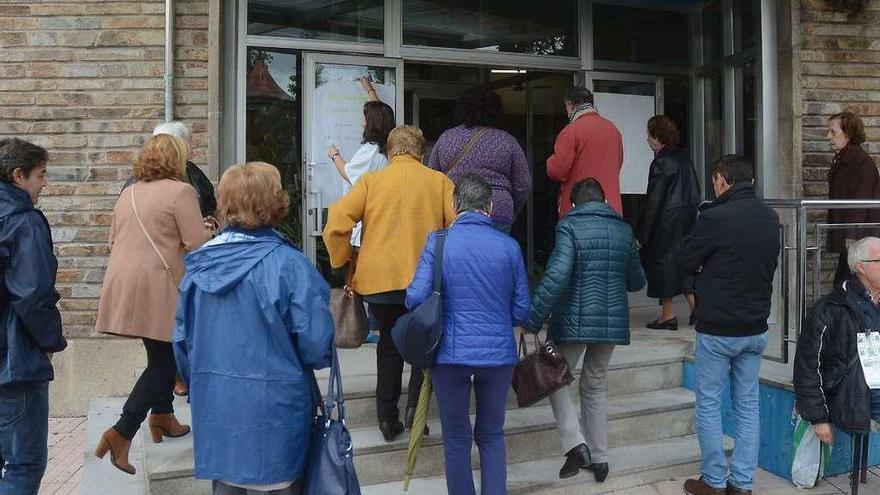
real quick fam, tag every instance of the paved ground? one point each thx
(66, 438)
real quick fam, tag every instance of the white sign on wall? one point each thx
(336, 120)
(630, 113)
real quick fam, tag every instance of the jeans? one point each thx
(739, 360)
(153, 391)
(24, 433)
(590, 427)
(452, 384)
(221, 488)
(389, 366)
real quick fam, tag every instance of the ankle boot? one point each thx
(600, 471)
(575, 459)
(118, 446)
(409, 416)
(166, 425)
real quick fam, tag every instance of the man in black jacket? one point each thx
(733, 248)
(30, 324)
(829, 383)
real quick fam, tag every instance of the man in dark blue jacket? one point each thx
(30, 324)
(734, 246)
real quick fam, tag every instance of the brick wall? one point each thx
(85, 80)
(840, 68)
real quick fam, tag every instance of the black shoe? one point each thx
(390, 431)
(408, 416)
(575, 459)
(671, 324)
(692, 320)
(600, 471)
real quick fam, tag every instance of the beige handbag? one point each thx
(349, 314)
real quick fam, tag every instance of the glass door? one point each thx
(333, 108)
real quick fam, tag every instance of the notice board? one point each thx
(630, 113)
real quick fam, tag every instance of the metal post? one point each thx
(169, 60)
(801, 267)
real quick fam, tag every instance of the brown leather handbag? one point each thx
(349, 314)
(539, 374)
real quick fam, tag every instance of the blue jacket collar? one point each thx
(594, 208)
(13, 199)
(473, 218)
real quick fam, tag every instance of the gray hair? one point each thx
(858, 251)
(175, 128)
(472, 192)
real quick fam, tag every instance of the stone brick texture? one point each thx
(86, 80)
(840, 68)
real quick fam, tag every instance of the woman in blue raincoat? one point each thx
(252, 323)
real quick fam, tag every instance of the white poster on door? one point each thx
(630, 113)
(336, 120)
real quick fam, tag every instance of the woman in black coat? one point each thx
(670, 211)
(853, 175)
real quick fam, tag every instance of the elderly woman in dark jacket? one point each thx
(670, 211)
(853, 175)
(593, 266)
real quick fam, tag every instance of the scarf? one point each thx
(580, 110)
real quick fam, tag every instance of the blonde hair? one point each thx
(162, 157)
(406, 140)
(251, 196)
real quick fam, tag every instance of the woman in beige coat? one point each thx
(155, 222)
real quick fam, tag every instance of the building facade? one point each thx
(272, 80)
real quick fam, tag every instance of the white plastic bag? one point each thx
(810, 455)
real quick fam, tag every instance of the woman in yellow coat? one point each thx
(398, 207)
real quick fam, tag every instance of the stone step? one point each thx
(631, 466)
(641, 367)
(530, 433)
(99, 476)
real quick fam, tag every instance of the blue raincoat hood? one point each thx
(221, 264)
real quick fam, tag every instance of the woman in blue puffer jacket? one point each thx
(485, 294)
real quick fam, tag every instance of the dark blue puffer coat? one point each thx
(485, 292)
(593, 266)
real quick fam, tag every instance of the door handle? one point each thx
(317, 213)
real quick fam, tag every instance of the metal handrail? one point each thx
(802, 206)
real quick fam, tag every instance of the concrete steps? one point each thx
(650, 430)
(631, 466)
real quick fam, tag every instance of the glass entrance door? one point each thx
(333, 107)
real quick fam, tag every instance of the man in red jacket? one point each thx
(590, 146)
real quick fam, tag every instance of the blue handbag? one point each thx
(417, 334)
(330, 469)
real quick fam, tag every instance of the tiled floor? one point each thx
(66, 437)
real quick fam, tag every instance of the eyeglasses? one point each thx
(871, 261)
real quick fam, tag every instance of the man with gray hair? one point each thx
(829, 382)
(194, 175)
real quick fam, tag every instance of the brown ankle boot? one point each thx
(166, 425)
(118, 446)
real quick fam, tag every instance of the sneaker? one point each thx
(700, 487)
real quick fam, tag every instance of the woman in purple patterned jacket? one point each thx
(478, 145)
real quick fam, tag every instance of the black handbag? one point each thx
(417, 334)
(330, 469)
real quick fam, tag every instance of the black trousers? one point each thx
(843, 272)
(153, 390)
(389, 366)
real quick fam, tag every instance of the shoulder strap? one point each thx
(438, 259)
(466, 149)
(150, 239)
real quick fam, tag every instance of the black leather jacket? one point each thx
(829, 384)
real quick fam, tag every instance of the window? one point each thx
(514, 26)
(626, 34)
(273, 131)
(359, 21)
(744, 24)
(713, 33)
